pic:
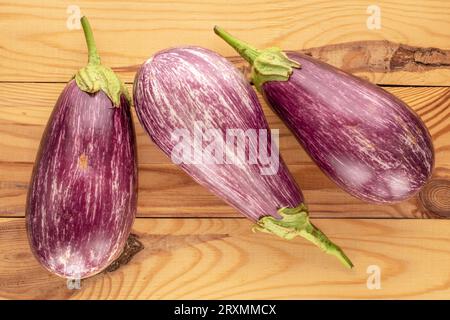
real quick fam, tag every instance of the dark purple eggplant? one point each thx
(178, 88)
(366, 140)
(82, 197)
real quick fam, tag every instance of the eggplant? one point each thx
(198, 93)
(83, 192)
(370, 143)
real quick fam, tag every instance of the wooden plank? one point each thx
(37, 45)
(25, 108)
(223, 259)
(166, 191)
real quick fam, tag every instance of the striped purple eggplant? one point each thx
(197, 92)
(83, 191)
(366, 140)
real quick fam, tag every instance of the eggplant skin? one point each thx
(83, 192)
(365, 139)
(177, 87)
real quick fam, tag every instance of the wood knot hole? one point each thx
(435, 197)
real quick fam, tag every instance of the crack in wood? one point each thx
(158, 244)
(132, 247)
(409, 58)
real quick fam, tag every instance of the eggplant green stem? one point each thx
(270, 64)
(95, 76)
(245, 50)
(295, 222)
(93, 57)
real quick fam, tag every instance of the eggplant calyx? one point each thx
(270, 64)
(295, 222)
(95, 76)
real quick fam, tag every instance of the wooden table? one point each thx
(193, 245)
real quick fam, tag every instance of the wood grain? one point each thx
(223, 259)
(37, 45)
(25, 108)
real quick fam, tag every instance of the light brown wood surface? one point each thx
(223, 259)
(194, 245)
(38, 46)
